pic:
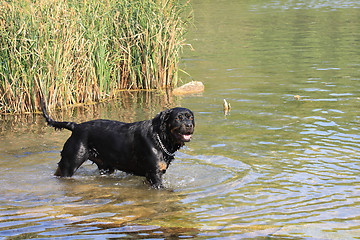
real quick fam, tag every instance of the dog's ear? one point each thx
(161, 119)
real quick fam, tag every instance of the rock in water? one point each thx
(189, 88)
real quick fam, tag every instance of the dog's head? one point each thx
(177, 122)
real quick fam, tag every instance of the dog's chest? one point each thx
(162, 165)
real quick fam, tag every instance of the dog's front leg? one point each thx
(155, 179)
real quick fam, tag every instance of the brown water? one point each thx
(275, 167)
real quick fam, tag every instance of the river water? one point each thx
(274, 167)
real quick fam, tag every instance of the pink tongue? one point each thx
(187, 137)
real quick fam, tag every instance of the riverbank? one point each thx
(71, 52)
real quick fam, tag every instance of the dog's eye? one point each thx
(179, 118)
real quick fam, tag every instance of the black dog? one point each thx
(143, 148)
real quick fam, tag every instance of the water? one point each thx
(274, 167)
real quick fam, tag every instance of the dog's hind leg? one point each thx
(73, 155)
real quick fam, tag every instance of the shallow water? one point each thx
(274, 167)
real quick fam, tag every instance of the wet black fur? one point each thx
(130, 147)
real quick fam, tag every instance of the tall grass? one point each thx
(79, 51)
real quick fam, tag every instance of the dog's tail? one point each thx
(57, 125)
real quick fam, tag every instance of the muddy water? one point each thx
(274, 167)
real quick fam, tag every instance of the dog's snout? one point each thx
(189, 125)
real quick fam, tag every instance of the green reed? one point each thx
(80, 51)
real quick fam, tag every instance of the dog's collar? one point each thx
(163, 147)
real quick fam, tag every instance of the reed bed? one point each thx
(81, 51)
